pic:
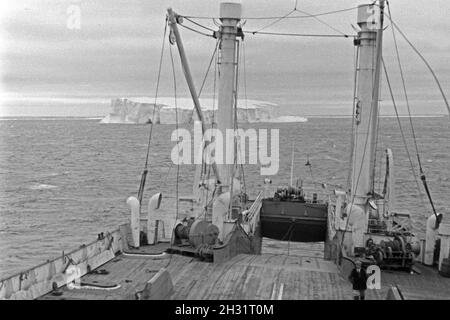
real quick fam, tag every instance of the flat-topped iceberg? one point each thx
(288, 119)
(144, 110)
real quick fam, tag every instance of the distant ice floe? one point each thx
(141, 110)
(42, 187)
(287, 119)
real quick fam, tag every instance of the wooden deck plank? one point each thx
(130, 273)
(220, 290)
(196, 291)
(239, 274)
(251, 284)
(183, 281)
(303, 274)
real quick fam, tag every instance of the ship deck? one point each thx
(424, 284)
(287, 271)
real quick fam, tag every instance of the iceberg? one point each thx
(128, 111)
(141, 110)
(288, 119)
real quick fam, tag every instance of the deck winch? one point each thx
(397, 252)
(197, 237)
(195, 232)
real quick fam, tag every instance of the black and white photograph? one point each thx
(224, 155)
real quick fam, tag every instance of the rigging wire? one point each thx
(208, 173)
(199, 24)
(276, 21)
(246, 106)
(203, 168)
(238, 152)
(178, 149)
(422, 173)
(176, 127)
(342, 35)
(300, 34)
(400, 67)
(245, 77)
(397, 52)
(402, 131)
(423, 59)
(209, 67)
(196, 31)
(167, 174)
(145, 172)
(206, 75)
(277, 17)
(322, 22)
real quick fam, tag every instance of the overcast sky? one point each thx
(116, 50)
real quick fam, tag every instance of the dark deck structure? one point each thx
(293, 220)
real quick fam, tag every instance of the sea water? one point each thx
(63, 181)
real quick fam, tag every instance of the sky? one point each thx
(115, 53)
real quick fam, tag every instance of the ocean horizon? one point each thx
(100, 106)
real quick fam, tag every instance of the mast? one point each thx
(369, 42)
(230, 15)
